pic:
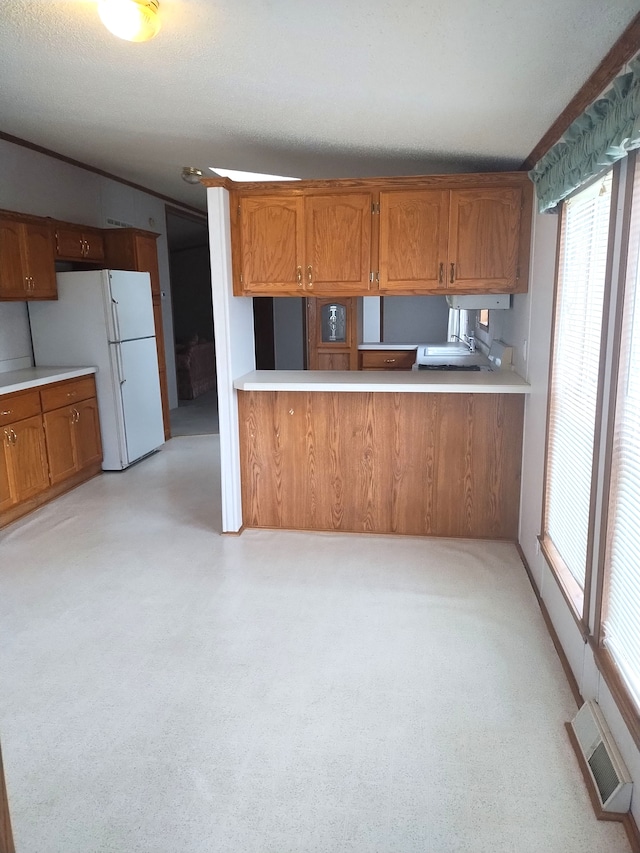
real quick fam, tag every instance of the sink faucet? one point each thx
(468, 340)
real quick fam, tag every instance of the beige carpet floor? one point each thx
(165, 689)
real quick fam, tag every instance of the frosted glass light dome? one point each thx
(132, 20)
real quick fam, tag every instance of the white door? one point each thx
(131, 306)
(137, 363)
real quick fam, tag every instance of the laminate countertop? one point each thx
(385, 346)
(33, 377)
(389, 381)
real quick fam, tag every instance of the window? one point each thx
(621, 611)
(574, 393)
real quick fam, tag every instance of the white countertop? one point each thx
(391, 381)
(32, 377)
(385, 346)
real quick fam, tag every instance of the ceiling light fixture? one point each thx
(191, 175)
(132, 20)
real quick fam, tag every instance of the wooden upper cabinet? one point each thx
(434, 234)
(413, 240)
(27, 269)
(75, 243)
(304, 244)
(40, 261)
(13, 281)
(271, 244)
(484, 239)
(337, 256)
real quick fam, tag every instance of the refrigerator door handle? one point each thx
(116, 319)
(121, 376)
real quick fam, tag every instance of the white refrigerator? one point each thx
(104, 318)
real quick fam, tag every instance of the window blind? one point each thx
(575, 373)
(622, 558)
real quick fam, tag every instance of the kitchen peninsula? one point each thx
(394, 451)
(382, 452)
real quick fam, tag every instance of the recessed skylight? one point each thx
(235, 175)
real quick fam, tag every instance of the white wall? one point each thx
(287, 332)
(415, 319)
(34, 183)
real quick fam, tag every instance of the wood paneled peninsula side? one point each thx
(380, 452)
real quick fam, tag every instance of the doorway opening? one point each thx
(193, 336)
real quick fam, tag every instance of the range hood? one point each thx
(480, 301)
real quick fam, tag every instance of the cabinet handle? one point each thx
(441, 273)
(452, 277)
(14, 437)
(309, 276)
(299, 276)
(75, 416)
(88, 248)
(7, 436)
(7, 412)
(389, 360)
(71, 393)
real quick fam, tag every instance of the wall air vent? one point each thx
(116, 223)
(609, 776)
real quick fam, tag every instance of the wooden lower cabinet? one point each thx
(48, 452)
(385, 359)
(25, 460)
(73, 439)
(424, 463)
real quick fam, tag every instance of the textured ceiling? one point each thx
(338, 88)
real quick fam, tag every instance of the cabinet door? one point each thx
(146, 252)
(338, 244)
(69, 243)
(331, 334)
(93, 245)
(28, 460)
(271, 245)
(484, 236)
(332, 360)
(13, 276)
(59, 429)
(87, 434)
(6, 496)
(413, 240)
(40, 254)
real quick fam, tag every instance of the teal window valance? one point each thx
(602, 135)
